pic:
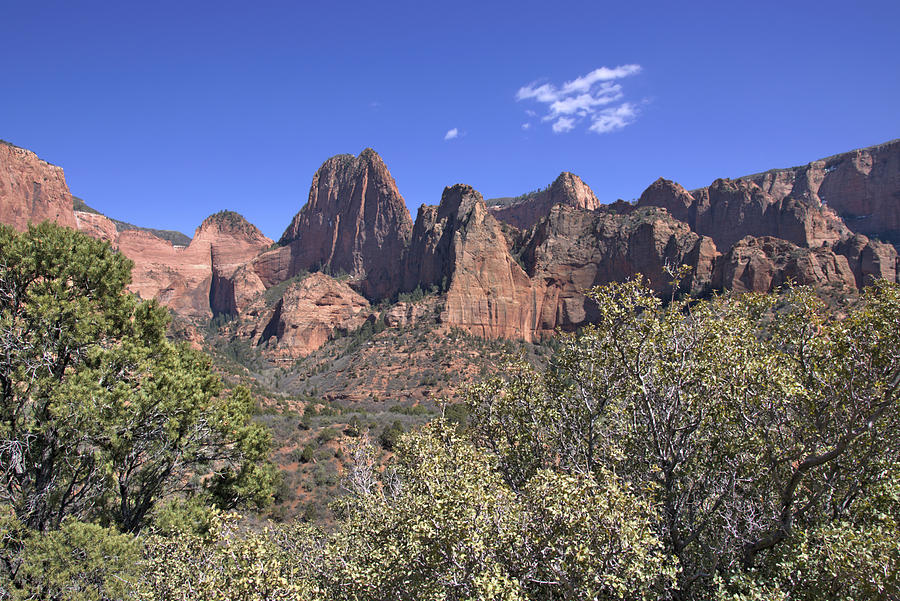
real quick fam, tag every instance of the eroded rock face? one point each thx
(574, 250)
(870, 259)
(32, 190)
(232, 242)
(461, 247)
(518, 271)
(763, 264)
(861, 186)
(728, 210)
(196, 281)
(354, 222)
(567, 189)
(178, 278)
(404, 314)
(489, 294)
(309, 313)
(96, 226)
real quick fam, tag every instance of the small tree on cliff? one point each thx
(100, 415)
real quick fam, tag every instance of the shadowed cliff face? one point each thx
(355, 222)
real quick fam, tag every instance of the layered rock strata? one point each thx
(862, 186)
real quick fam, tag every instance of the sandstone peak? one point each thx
(670, 196)
(458, 201)
(569, 189)
(526, 210)
(355, 221)
(230, 223)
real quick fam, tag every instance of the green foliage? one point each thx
(411, 297)
(390, 436)
(307, 453)
(274, 293)
(230, 563)
(444, 525)
(77, 562)
(758, 429)
(411, 410)
(327, 435)
(101, 416)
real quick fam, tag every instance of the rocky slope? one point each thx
(524, 211)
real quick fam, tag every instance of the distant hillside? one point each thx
(176, 238)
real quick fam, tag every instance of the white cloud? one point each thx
(451, 134)
(582, 99)
(526, 126)
(563, 124)
(615, 118)
(584, 83)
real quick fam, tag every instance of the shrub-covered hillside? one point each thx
(741, 447)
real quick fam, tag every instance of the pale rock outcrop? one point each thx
(405, 314)
(97, 226)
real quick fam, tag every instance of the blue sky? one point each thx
(162, 113)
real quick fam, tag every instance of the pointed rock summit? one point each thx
(524, 211)
(355, 222)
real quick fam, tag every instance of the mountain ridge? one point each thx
(513, 271)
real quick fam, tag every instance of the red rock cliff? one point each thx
(567, 189)
(355, 221)
(862, 186)
(32, 190)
